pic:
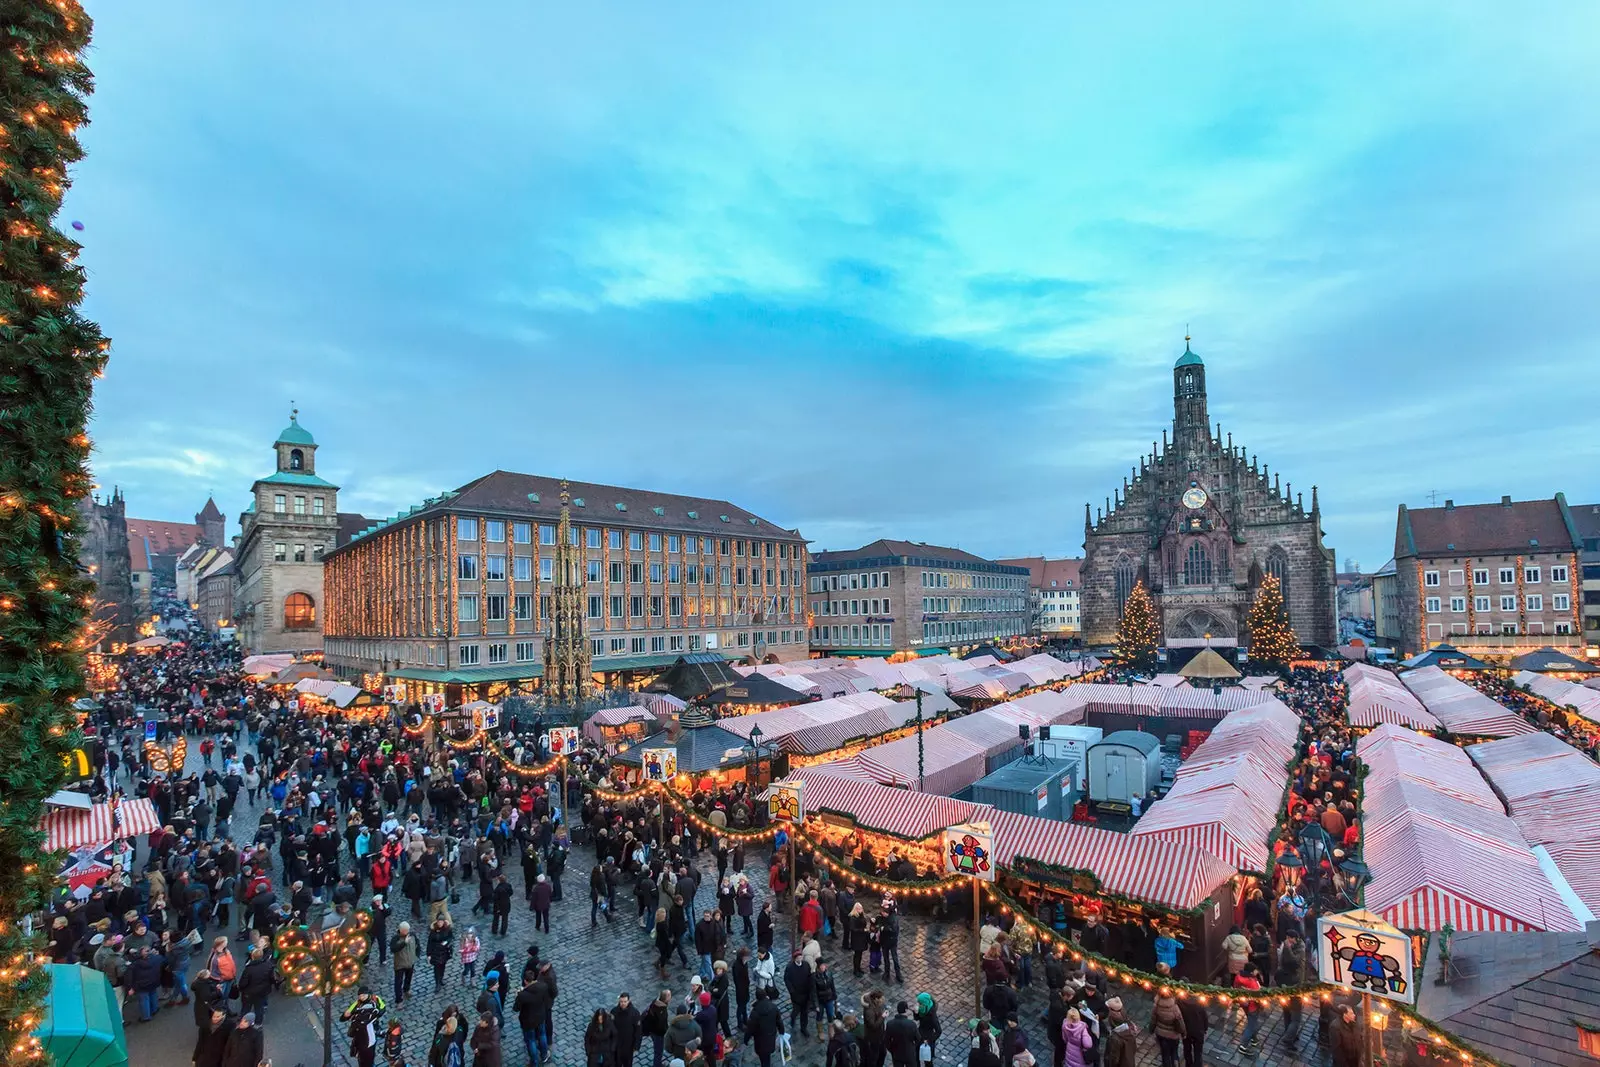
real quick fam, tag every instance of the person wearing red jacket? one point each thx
(811, 916)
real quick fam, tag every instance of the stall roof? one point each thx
(756, 689)
(1448, 657)
(1208, 665)
(1441, 848)
(1460, 708)
(82, 1024)
(696, 675)
(892, 811)
(1377, 697)
(1549, 661)
(72, 828)
(820, 726)
(1578, 698)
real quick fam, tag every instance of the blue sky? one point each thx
(868, 270)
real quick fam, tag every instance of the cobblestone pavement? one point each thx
(594, 965)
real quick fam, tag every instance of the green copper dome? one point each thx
(294, 433)
(1188, 359)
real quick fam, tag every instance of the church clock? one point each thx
(1195, 497)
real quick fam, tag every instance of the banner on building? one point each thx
(660, 764)
(969, 850)
(787, 801)
(1359, 951)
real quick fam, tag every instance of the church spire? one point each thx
(568, 672)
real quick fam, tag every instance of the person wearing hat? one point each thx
(245, 1046)
(211, 1044)
(363, 1015)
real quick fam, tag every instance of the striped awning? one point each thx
(1460, 708)
(892, 811)
(70, 828)
(1578, 698)
(1171, 873)
(1377, 697)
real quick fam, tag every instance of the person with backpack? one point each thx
(843, 1049)
(654, 1024)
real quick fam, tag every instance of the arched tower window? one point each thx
(297, 460)
(1278, 567)
(299, 612)
(1124, 581)
(1197, 565)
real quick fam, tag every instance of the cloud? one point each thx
(895, 270)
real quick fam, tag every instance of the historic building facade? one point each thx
(292, 521)
(1201, 522)
(459, 593)
(904, 596)
(105, 552)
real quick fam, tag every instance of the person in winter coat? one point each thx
(1196, 1022)
(441, 946)
(999, 1000)
(657, 1017)
(1075, 1038)
(901, 1037)
(1167, 1023)
(801, 984)
(706, 1018)
(486, 1042)
(683, 1034)
(842, 1048)
(983, 1052)
(404, 950)
(741, 985)
(255, 985)
(1346, 1039)
(363, 1015)
(874, 1018)
(766, 1024)
(855, 934)
(1122, 1036)
(766, 971)
(245, 1045)
(627, 1021)
(212, 1043)
(928, 1027)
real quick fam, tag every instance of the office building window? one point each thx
(524, 651)
(1558, 574)
(675, 606)
(494, 530)
(594, 570)
(280, 552)
(316, 552)
(636, 646)
(299, 553)
(317, 505)
(494, 568)
(524, 606)
(497, 652)
(522, 533)
(495, 607)
(1560, 602)
(467, 568)
(658, 644)
(547, 568)
(468, 655)
(592, 537)
(636, 607)
(467, 608)
(1432, 605)
(616, 607)
(1508, 603)
(1535, 602)
(522, 569)
(466, 529)
(597, 646)
(279, 503)
(1458, 603)
(655, 607)
(635, 541)
(1508, 576)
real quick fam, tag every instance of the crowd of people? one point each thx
(291, 815)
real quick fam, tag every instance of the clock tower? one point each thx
(1190, 424)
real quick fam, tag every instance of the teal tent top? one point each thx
(294, 433)
(83, 1023)
(1188, 359)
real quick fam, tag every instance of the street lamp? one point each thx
(1353, 876)
(755, 748)
(1293, 868)
(323, 962)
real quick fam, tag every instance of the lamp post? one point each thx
(755, 748)
(1353, 876)
(324, 961)
(1293, 868)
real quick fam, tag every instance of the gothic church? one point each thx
(1201, 523)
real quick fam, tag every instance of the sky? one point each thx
(905, 270)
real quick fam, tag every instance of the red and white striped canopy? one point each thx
(1460, 708)
(74, 828)
(892, 811)
(1578, 698)
(1441, 847)
(1172, 873)
(1377, 697)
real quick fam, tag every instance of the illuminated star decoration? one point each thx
(324, 961)
(968, 855)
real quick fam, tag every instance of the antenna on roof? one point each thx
(1433, 498)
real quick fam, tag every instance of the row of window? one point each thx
(855, 635)
(1532, 602)
(949, 580)
(1507, 575)
(494, 532)
(494, 570)
(871, 606)
(280, 504)
(870, 580)
(525, 652)
(1459, 629)
(281, 553)
(633, 607)
(963, 630)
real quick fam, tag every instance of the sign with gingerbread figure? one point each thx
(969, 850)
(1359, 951)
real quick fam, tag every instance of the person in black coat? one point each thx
(802, 986)
(212, 1043)
(600, 1040)
(255, 985)
(502, 906)
(766, 1023)
(999, 1000)
(1196, 1022)
(245, 1046)
(902, 1037)
(629, 1025)
(741, 985)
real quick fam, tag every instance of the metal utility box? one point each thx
(1071, 743)
(1124, 765)
(1035, 785)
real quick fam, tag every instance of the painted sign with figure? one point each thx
(787, 801)
(660, 764)
(433, 703)
(486, 718)
(394, 694)
(969, 850)
(562, 740)
(1359, 951)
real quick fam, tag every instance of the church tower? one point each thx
(1191, 426)
(568, 675)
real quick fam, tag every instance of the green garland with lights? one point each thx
(49, 358)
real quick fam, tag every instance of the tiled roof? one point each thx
(887, 547)
(138, 558)
(210, 511)
(1042, 572)
(300, 478)
(165, 537)
(1507, 527)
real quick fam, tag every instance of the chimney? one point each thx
(1505, 501)
(1449, 505)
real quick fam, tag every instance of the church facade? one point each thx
(1201, 522)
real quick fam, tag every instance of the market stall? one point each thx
(1376, 696)
(82, 1024)
(1460, 708)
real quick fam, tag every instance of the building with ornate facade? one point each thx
(456, 595)
(906, 596)
(1201, 521)
(568, 659)
(291, 523)
(105, 553)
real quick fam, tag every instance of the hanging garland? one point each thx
(921, 887)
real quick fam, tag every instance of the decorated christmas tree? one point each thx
(1138, 634)
(49, 357)
(1272, 639)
